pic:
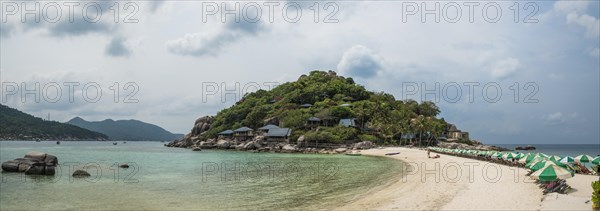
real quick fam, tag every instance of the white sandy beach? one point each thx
(466, 184)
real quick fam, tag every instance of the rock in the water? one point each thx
(51, 160)
(33, 155)
(33, 163)
(340, 150)
(196, 149)
(37, 169)
(10, 166)
(81, 173)
(124, 166)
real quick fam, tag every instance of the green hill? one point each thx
(129, 130)
(16, 125)
(325, 95)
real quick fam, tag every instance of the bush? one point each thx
(367, 137)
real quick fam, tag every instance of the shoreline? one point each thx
(456, 183)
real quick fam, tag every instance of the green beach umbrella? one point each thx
(583, 158)
(567, 159)
(508, 156)
(533, 162)
(542, 155)
(596, 160)
(541, 164)
(551, 173)
(554, 158)
(519, 156)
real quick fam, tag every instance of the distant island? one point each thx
(16, 125)
(126, 130)
(323, 110)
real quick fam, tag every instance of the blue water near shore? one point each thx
(179, 179)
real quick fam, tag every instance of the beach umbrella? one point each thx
(526, 159)
(519, 156)
(533, 162)
(596, 160)
(583, 158)
(551, 173)
(567, 159)
(508, 156)
(542, 155)
(541, 164)
(554, 158)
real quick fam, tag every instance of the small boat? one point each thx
(114, 143)
(58, 142)
(392, 153)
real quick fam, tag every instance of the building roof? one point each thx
(226, 132)
(243, 129)
(347, 122)
(314, 119)
(452, 128)
(268, 127)
(279, 132)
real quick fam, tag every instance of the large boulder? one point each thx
(223, 144)
(252, 145)
(289, 148)
(340, 150)
(33, 163)
(10, 166)
(37, 169)
(363, 145)
(33, 155)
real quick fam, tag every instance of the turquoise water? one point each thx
(172, 178)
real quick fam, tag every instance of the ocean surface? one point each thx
(171, 178)
(559, 149)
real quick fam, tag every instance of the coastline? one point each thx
(456, 183)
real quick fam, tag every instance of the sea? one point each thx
(162, 178)
(559, 149)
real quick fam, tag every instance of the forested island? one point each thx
(321, 108)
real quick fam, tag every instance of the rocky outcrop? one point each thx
(340, 150)
(37, 163)
(528, 147)
(201, 125)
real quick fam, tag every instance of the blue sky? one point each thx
(170, 52)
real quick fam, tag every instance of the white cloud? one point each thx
(590, 23)
(559, 117)
(505, 68)
(360, 61)
(211, 43)
(571, 6)
(575, 12)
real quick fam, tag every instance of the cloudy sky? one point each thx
(507, 72)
